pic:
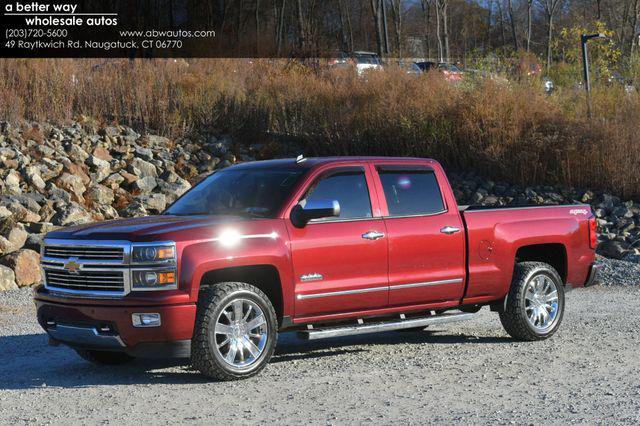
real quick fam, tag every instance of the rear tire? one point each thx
(104, 357)
(235, 331)
(535, 303)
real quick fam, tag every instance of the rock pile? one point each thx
(618, 220)
(59, 176)
(52, 177)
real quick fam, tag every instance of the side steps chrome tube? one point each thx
(363, 328)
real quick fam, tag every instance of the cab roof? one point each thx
(311, 162)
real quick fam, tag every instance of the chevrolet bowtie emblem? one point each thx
(72, 266)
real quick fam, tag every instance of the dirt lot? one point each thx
(469, 372)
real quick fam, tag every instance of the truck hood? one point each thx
(143, 228)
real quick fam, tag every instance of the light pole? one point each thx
(585, 64)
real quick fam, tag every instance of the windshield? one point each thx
(363, 58)
(239, 192)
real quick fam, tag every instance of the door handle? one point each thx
(373, 235)
(449, 230)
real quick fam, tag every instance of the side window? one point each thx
(411, 192)
(349, 188)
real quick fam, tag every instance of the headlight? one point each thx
(154, 253)
(153, 279)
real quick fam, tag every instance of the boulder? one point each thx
(155, 203)
(142, 168)
(135, 209)
(12, 235)
(613, 249)
(102, 153)
(25, 264)
(101, 169)
(74, 185)
(72, 214)
(41, 227)
(145, 184)
(34, 241)
(7, 279)
(76, 154)
(99, 194)
(33, 177)
(144, 153)
(12, 183)
(114, 180)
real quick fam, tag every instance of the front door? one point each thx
(340, 264)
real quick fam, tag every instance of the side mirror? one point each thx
(315, 209)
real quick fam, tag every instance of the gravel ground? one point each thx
(620, 272)
(469, 372)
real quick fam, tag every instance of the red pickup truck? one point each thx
(324, 246)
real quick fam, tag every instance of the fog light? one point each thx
(145, 320)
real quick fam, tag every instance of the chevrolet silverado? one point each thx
(322, 246)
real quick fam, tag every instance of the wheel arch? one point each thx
(264, 276)
(554, 254)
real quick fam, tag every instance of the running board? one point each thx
(362, 328)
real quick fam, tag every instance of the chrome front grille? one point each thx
(87, 268)
(85, 252)
(95, 281)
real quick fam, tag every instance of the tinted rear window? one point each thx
(411, 192)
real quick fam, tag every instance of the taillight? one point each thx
(593, 233)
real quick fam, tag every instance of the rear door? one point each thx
(425, 232)
(340, 264)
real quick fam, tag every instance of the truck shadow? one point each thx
(29, 363)
(290, 347)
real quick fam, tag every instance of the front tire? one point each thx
(535, 303)
(235, 331)
(104, 357)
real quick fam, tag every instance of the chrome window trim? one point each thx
(438, 213)
(359, 219)
(125, 266)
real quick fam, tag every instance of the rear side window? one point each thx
(411, 192)
(349, 188)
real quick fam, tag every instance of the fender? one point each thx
(492, 277)
(245, 244)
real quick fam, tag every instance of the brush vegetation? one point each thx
(502, 129)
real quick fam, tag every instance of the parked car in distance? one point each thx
(451, 72)
(322, 246)
(615, 78)
(477, 75)
(548, 85)
(362, 61)
(366, 61)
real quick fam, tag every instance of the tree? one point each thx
(376, 11)
(603, 54)
(396, 14)
(512, 19)
(426, 10)
(529, 22)
(550, 7)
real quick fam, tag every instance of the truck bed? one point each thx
(495, 236)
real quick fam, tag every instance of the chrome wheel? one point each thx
(541, 302)
(241, 333)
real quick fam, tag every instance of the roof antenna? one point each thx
(300, 158)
